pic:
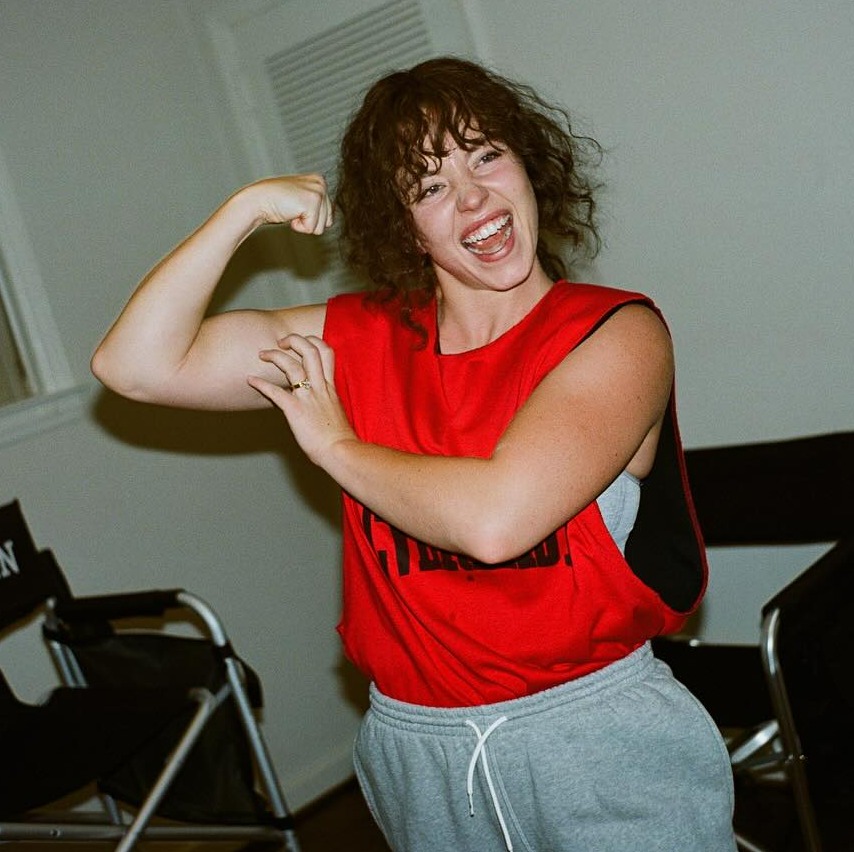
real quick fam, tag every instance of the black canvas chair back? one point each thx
(795, 491)
(27, 578)
(790, 692)
(161, 725)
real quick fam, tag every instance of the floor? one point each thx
(766, 815)
(341, 821)
(338, 821)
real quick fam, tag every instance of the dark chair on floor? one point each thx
(160, 725)
(788, 701)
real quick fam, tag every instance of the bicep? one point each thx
(225, 352)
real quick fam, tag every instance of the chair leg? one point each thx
(746, 845)
(207, 704)
(742, 753)
(262, 756)
(111, 809)
(803, 803)
(788, 732)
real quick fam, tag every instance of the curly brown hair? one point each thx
(394, 137)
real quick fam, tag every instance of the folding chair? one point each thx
(789, 696)
(160, 725)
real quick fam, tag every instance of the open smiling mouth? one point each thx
(491, 237)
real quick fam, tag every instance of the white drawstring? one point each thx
(479, 752)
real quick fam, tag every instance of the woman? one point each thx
(490, 426)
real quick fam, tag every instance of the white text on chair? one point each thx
(8, 563)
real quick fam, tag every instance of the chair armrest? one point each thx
(122, 605)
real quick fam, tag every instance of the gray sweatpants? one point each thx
(622, 760)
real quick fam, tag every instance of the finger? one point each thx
(287, 361)
(305, 223)
(313, 219)
(276, 394)
(291, 366)
(327, 357)
(307, 348)
(323, 217)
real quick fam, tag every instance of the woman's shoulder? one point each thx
(365, 314)
(359, 307)
(597, 296)
(583, 308)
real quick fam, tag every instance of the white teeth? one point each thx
(487, 230)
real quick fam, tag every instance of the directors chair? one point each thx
(786, 703)
(159, 727)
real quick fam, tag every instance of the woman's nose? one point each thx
(470, 195)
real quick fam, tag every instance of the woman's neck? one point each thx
(469, 319)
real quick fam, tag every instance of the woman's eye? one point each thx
(490, 155)
(429, 190)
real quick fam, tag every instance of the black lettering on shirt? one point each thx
(398, 552)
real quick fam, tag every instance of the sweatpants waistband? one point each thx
(416, 716)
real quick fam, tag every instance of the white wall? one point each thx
(730, 187)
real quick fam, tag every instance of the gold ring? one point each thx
(305, 383)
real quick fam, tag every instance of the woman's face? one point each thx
(476, 217)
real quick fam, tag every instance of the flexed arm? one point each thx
(597, 413)
(163, 349)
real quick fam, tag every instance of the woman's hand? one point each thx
(302, 201)
(307, 397)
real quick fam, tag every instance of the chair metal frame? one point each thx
(42, 826)
(791, 757)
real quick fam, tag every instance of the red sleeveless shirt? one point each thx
(438, 628)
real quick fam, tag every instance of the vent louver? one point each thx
(318, 84)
